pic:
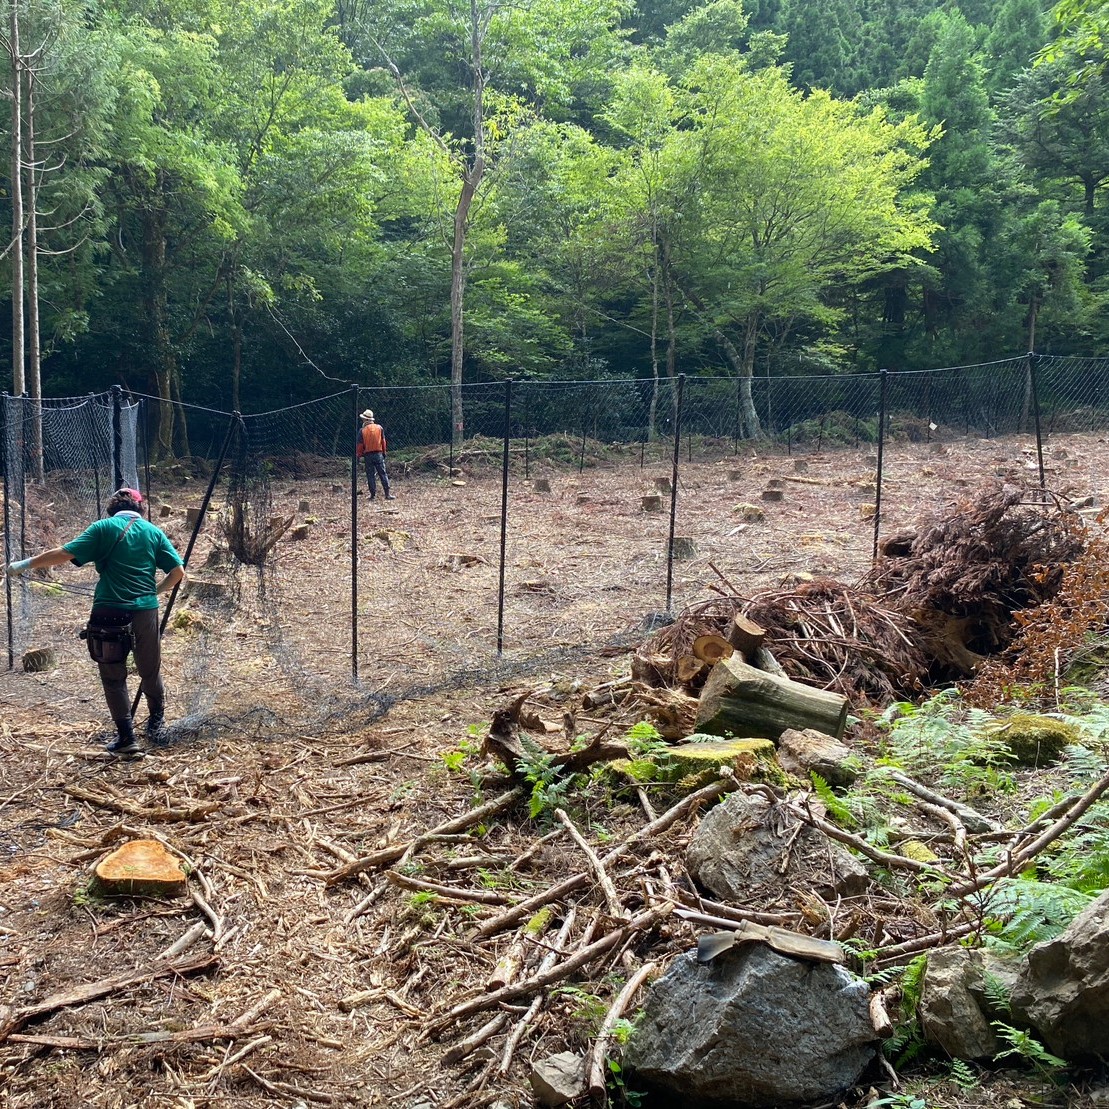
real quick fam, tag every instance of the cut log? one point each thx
(688, 667)
(771, 495)
(164, 511)
(652, 502)
(141, 868)
(746, 636)
(745, 702)
(541, 485)
(712, 648)
(192, 517)
(663, 485)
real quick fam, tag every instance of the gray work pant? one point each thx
(148, 662)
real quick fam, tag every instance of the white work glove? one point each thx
(18, 568)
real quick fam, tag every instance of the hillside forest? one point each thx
(242, 204)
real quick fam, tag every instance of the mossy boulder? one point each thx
(1035, 740)
(691, 764)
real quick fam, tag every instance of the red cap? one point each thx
(134, 494)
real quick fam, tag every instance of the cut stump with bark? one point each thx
(39, 659)
(745, 702)
(652, 502)
(141, 868)
(688, 667)
(746, 636)
(541, 485)
(684, 548)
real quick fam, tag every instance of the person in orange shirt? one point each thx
(371, 446)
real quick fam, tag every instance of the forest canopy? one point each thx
(238, 204)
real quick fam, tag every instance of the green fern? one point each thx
(962, 1074)
(1026, 912)
(837, 810)
(1025, 1046)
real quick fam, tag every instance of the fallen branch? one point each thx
(160, 815)
(972, 818)
(203, 1034)
(397, 851)
(78, 995)
(1020, 859)
(616, 910)
(516, 1035)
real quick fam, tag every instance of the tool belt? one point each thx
(108, 635)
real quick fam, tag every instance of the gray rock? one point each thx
(740, 843)
(558, 1078)
(803, 750)
(1063, 989)
(955, 1012)
(752, 1029)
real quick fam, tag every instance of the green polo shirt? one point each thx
(127, 566)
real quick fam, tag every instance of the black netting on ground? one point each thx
(309, 603)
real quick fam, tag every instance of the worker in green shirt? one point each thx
(127, 551)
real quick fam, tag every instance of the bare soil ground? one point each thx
(281, 768)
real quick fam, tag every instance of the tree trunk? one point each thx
(752, 704)
(157, 316)
(34, 334)
(1026, 400)
(744, 366)
(19, 383)
(652, 415)
(236, 346)
(471, 181)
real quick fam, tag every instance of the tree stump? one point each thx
(867, 511)
(746, 636)
(663, 485)
(164, 511)
(774, 495)
(775, 483)
(541, 485)
(751, 703)
(750, 512)
(736, 475)
(304, 505)
(800, 465)
(684, 548)
(200, 590)
(217, 556)
(300, 532)
(141, 868)
(192, 516)
(336, 488)
(652, 502)
(39, 659)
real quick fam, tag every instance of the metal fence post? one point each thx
(1032, 359)
(4, 408)
(117, 437)
(504, 513)
(354, 393)
(881, 444)
(674, 490)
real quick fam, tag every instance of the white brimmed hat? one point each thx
(367, 415)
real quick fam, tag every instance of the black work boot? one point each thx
(156, 721)
(125, 745)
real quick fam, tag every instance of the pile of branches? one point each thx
(831, 635)
(962, 574)
(823, 632)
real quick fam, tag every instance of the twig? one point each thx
(257, 1009)
(641, 923)
(596, 1067)
(473, 1041)
(973, 819)
(548, 961)
(484, 897)
(1019, 859)
(288, 1088)
(616, 910)
(365, 903)
(186, 941)
(576, 881)
(242, 1053)
(210, 913)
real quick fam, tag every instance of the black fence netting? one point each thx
(524, 521)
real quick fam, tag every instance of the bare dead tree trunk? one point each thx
(652, 415)
(34, 333)
(19, 383)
